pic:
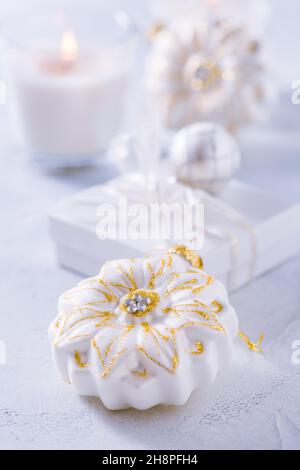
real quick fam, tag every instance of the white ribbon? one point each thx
(234, 217)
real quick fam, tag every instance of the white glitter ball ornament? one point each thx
(204, 155)
(144, 332)
(210, 70)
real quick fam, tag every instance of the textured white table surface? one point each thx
(257, 407)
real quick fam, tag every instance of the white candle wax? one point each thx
(67, 105)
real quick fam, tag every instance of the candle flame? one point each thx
(68, 47)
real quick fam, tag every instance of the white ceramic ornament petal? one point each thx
(144, 332)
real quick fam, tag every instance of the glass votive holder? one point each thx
(68, 81)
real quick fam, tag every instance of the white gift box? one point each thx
(247, 232)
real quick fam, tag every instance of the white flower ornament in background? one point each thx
(212, 71)
(144, 332)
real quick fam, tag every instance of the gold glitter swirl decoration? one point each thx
(191, 256)
(142, 312)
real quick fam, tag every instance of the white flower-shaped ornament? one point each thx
(144, 331)
(212, 71)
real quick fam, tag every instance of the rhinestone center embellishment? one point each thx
(137, 304)
(201, 74)
(140, 302)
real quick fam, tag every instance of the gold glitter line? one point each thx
(113, 325)
(201, 314)
(92, 309)
(107, 369)
(154, 334)
(155, 340)
(95, 304)
(170, 261)
(172, 277)
(180, 308)
(174, 359)
(158, 363)
(115, 358)
(170, 309)
(209, 280)
(212, 314)
(164, 337)
(147, 330)
(190, 255)
(74, 338)
(160, 269)
(218, 307)
(151, 283)
(142, 374)
(120, 336)
(105, 322)
(129, 276)
(77, 309)
(202, 304)
(217, 327)
(119, 285)
(199, 348)
(90, 317)
(195, 304)
(186, 285)
(153, 275)
(97, 325)
(110, 294)
(251, 345)
(179, 311)
(81, 364)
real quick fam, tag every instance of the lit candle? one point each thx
(69, 48)
(69, 103)
(67, 57)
